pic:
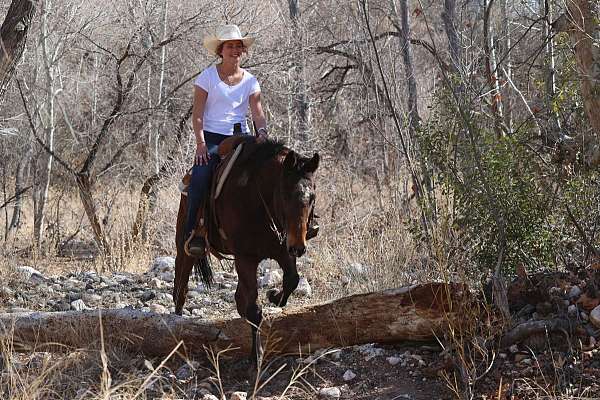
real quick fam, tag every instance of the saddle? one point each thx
(206, 224)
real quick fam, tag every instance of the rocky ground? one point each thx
(405, 371)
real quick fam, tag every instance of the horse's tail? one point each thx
(203, 271)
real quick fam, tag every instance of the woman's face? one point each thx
(233, 50)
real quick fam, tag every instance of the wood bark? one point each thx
(585, 33)
(409, 313)
(13, 34)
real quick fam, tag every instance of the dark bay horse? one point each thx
(263, 211)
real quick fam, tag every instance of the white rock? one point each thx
(168, 297)
(514, 348)
(158, 308)
(330, 393)
(370, 351)
(156, 283)
(349, 375)
(303, 288)
(167, 276)
(197, 312)
(31, 274)
(209, 397)
(79, 305)
(162, 264)
(239, 396)
(271, 278)
(574, 292)
(193, 294)
(595, 317)
(393, 360)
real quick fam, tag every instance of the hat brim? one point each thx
(211, 43)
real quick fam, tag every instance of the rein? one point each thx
(272, 225)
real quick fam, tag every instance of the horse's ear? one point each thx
(291, 161)
(311, 165)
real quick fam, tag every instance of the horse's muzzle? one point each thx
(297, 251)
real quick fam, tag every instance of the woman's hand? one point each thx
(202, 155)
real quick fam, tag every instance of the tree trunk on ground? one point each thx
(13, 34)
(410, 313)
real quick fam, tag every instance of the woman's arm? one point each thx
(258, 116)
(200, 96)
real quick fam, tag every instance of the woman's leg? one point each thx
(198, 189)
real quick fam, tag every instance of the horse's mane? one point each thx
(259, 153)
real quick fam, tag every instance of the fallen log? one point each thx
(410, 313)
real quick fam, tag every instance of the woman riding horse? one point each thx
(222, 94)
(266, 206)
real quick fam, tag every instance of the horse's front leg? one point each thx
(246, 296)
(291, 278)
(183, 269)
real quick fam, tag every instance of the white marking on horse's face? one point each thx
(305, 192)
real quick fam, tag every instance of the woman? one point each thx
(222, 95)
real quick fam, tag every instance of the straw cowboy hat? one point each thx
(224, 34)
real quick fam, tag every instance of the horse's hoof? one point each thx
(274, 296)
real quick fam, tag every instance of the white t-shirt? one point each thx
(226, 105)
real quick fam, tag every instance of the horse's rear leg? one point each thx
(246, 296)
(290, 281)
(183, 269)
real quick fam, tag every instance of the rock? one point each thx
(239, 396)
(595, 316)
(156, 283)
(303, 288)
(330, 393)
(158, 308)
(91, 298)
(393, 360)
(270, 279)
(572, 310)
(186, 371)
(349, 375)
(197, 312)
(209, 396)
(31, 274)
(167, 276)
(574, 292)
(148, 295)
(61, 306)
(167, 297)
(162, 264)
(193, 294)
(520, 357)
(79, 305)
(514, 348)
(6, 292)
(370, 351)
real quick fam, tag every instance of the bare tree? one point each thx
(300, 105)
(13, 34)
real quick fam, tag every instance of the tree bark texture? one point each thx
(300, 101)
(410, 313)
(13, 34)
(585, 33)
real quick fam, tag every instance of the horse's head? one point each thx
(298, 199)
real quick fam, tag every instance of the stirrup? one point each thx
(195, 246)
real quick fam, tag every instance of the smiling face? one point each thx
(231, 50)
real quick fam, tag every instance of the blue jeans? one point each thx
(201, 178)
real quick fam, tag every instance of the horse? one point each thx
(263, 211)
